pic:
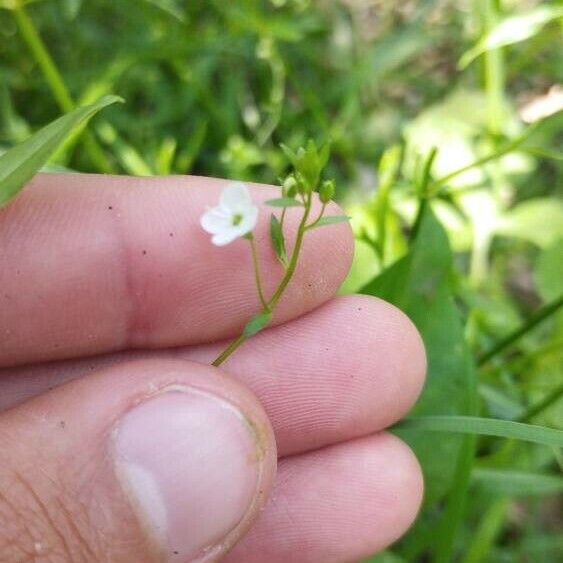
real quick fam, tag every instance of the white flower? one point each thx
(234, 217)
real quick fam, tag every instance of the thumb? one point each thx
(146, 461)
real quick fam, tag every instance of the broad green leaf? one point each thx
(512, 29)
(19, 164)
(517, 483)
(419, 284)
(283, 202)
(538, 220)
(486, 427)
(278, 240)
(331, 220)
(257, 323)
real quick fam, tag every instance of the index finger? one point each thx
(92, 264)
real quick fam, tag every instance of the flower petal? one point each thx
(249, 220)
(235, 197)
(226, 236)
(215, 220)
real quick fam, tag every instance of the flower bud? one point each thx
(326, 191)
(289, 186)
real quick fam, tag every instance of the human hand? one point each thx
(118, 442)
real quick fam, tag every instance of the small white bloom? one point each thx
(234, 217)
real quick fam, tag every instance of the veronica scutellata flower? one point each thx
(234, 217)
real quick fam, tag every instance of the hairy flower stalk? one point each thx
(236, 216)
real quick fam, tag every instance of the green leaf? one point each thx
(284, 202)
(512, 29)
(419, 284)
(257, 323)
(331, 220)
(486, 427)
(278, 240)
(290, 154)
(324, 154)
(517, 483)
(20, 163)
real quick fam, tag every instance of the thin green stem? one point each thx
(282, 218)
(316, 221)
(540, 406)
(56, 83)
(490, 526)
(456, 502)
(494, 71)
(272, 302)
(257, 275)
(43, 59)
(294, 256)
(509, 147)
(423, 190)
(229, 350)
(545, 312)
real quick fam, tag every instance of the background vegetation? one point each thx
(446, 148)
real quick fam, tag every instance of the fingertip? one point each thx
(401, 484)
(392, 338)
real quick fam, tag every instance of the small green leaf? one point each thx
(284, 202)
(331, 220)
(291, 156)
(20, 163)
(257, 323)
(512, 29)
(324, 154)
(278, 240)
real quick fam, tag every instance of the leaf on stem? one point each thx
(257, 323)
(330, 220)
(20, 163)
(284, 202)
(278, 240)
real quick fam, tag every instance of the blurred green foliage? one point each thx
(446, 131)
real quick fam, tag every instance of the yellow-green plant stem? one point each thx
(273, 301)
(316, 221)
(56, 83)
(257, 275)
(494, 69)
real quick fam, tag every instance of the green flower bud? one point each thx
(290, 186)
(326, 191)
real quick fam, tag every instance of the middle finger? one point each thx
(350, 368)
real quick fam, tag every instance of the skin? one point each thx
(110, 288)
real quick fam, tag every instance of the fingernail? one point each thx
(189, 462)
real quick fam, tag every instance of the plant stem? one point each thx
(294, 256)
(509, 147)
(282, 218)
(273, 301)
(490, 526)
(539, 407)
(56, 83)
(456, 501)
(538, 317)
(494, 71)
(256, 266)
(316, 221)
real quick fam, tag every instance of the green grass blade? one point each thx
(517, 483)
(485, 427)
(19, 164)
